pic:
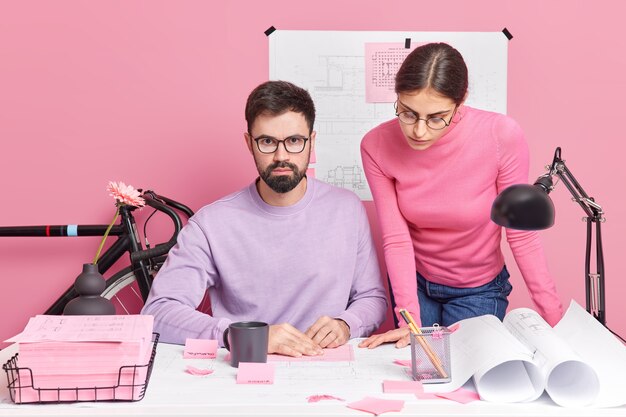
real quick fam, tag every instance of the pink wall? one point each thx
(152, 93)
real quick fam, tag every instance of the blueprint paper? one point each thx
(578, 363)
(600, 349)
(331, 66)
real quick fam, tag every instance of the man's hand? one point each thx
(400, 336)
(328, 332)
(287, 340)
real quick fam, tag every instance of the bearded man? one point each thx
(287, 250)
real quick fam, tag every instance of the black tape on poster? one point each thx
(508, 34)
(269, 31)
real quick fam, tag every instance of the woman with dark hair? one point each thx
(434, 172)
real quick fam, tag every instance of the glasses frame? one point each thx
(395, 106)
(278, 142)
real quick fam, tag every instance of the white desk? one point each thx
(172, 391)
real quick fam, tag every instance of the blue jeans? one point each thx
(446, 305)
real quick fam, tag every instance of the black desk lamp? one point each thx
(528, 207)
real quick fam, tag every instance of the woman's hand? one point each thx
(400, 336)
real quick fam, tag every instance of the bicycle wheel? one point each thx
(122, 289)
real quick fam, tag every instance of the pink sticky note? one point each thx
(454, 327)
(382, 61)
(317, 398)
(403, 362)
(200, 349)
(197, 371)
(377, 406)
(413, 387)
(255, 373)
(343, 353)
(461, 395)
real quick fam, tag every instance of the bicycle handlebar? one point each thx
(158, 202)
(162, 204)
(178, 206)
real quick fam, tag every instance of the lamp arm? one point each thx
(594, 282)
(591, 208)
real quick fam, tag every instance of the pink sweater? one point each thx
(434, 207)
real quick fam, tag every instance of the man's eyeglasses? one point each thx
(292, 144)
(435, 123)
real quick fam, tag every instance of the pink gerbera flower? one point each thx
(124, 195)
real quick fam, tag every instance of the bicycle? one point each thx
(144, 262)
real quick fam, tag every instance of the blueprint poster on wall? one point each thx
(350, 75)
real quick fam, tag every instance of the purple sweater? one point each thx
(273, 264)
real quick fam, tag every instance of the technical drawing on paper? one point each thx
(351, 177)
(382, 62)
(331, 65)
(385, 64)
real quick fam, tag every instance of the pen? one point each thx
(434, 359)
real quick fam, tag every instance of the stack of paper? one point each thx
(93, 355)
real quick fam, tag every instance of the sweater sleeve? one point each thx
(513, 162)
(179, 288)
(367, 304)
(397, 243)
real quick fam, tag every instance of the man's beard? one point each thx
(282, 183)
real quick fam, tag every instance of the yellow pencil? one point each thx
(425, 345)
(434, 359)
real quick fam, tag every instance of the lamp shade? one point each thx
(523, 207)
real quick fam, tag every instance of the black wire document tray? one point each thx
(132, 382)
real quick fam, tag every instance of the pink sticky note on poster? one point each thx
(255, 373)
(377, 406)
(382, 62)
(412, 387)
(200, 349)
(461, 395)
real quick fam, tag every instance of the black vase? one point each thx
(89, 285)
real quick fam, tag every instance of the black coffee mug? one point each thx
(247, 341)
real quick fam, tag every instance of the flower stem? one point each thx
(104, 237)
